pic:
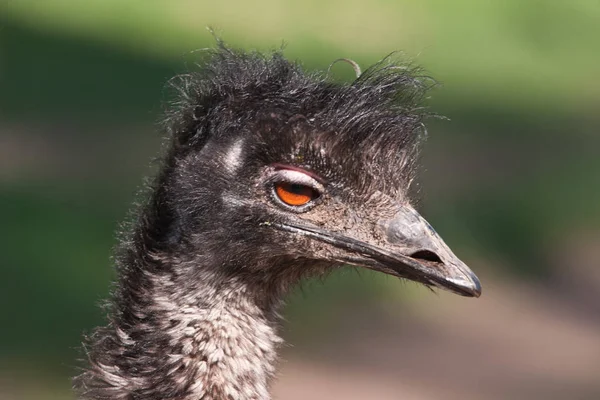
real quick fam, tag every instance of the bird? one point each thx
(269, 174)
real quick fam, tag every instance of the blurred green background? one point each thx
(512, 181)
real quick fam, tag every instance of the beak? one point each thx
(410, 249)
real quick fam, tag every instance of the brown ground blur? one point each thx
(515, 342)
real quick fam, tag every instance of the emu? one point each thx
(269, 175)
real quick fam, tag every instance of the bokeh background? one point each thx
(511, 181)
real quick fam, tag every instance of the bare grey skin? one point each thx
(269, 175)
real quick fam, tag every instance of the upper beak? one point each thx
(410, 249)
(424, 251)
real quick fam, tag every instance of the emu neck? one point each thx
(211, 340)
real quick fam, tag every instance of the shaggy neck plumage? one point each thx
(173, 338)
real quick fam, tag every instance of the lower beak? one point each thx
(411, 250)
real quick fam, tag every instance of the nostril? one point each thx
(426, 255)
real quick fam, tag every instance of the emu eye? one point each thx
(295, 194)
(294, 189)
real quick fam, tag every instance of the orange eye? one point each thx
(294, 194)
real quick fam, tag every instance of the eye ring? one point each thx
(294, 190)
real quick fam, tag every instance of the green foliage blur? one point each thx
(509, 179)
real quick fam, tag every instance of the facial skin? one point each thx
(302, 211)
(377, 232)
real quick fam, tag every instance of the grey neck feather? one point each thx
(212, 342)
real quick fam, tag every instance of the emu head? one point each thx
(272, 173)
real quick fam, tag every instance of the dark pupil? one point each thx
(298, 189)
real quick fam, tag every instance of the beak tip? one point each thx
(469, 286)
(477, 288)
(473, 288)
